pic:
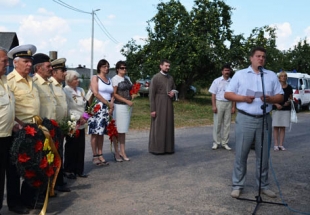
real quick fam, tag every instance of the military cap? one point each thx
(40, 58)
(23, 51)
(59, 63)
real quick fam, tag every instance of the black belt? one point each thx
(251, 115)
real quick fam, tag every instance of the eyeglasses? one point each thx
(123, 67)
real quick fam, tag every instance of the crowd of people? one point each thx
(43, 95)
(25, 97)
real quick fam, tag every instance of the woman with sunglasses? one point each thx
(122, 111)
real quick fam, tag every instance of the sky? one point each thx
(52, 27)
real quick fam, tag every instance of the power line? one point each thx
(69, 6)
(104, 30)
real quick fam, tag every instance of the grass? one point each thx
(187, 113)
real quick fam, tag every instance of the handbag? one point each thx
(90, 95)
(293, 113)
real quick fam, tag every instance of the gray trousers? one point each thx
(221, 122)
(248, 130)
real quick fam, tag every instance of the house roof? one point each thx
(8, 40)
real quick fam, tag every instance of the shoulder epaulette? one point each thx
(34, 78)
(10, 76)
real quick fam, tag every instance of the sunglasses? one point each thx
(123, 67)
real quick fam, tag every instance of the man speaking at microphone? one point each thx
(246, 89)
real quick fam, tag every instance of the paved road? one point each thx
(194, 180)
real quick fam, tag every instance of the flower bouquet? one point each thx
(92, 109)
(112, 130)
(69, 126)
(134, 92)
(33, 156)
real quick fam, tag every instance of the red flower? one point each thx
(43, 163)
(135, 88)
(54, 123)
(57, 161)
(52, 133)
(77, 133)
(30, 174)
(97, 108)
(38, 146)
(37, 183)
(49, 172)
(112, 130)
(23, 158)
(30, 130)
(57, 144)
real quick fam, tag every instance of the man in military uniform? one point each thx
(43, 71)
(58, 77)
(27, 105)
(7, 115)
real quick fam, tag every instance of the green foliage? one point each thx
(198, 42)
(193, 41)
(299, 57)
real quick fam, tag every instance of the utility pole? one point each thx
(92, 44)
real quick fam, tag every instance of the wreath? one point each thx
(32, 153)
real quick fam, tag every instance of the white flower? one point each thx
(69, 123)
(74, 123)
(72, 117)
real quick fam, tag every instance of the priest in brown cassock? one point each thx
(161, 140)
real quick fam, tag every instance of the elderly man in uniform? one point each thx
(43, 71)
(58, 77)
(27, 105)
(7, 115)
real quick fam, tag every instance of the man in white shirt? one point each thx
(222, 109)
(246, 88)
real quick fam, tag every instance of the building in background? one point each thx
(9, 40)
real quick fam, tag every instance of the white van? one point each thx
(300, 83)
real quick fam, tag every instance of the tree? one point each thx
(299, 57)
(193, 41)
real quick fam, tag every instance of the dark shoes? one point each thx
(19, 209)
(82, 175)
(70, 175)
(62, 188)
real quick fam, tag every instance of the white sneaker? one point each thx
(235, 193)
(269, 193)
(227, 147)
(214, 146)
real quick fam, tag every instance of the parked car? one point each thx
(144, 88)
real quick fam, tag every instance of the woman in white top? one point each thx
(122, 105)
(102, 89)
(75, 145)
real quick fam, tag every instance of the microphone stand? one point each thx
(258, 198)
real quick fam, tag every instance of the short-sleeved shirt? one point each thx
(124, 86)
(27, 100)
(48, 101)
(218, 88)
(246, 81)
(7, 108)
(62, 106)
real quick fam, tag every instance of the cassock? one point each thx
(161, 139)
